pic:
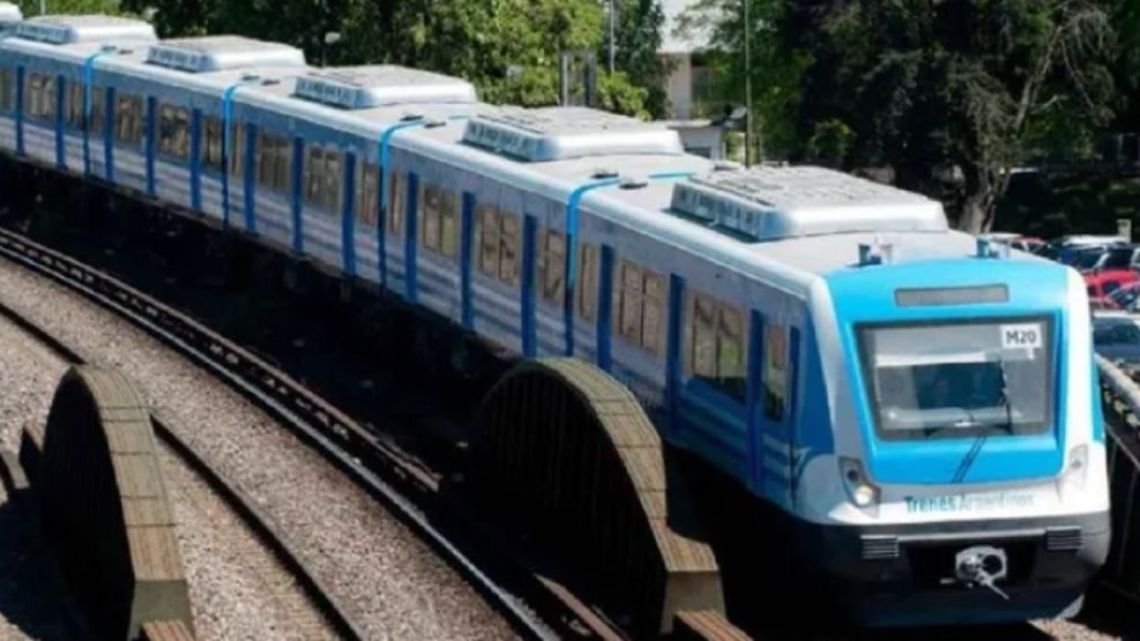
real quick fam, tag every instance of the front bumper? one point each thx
(905, 575)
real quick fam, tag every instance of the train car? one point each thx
(10, 16)
(918, 408)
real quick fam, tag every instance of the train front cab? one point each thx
(968, 481)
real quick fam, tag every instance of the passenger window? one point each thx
(487, 217)
(440, 220)
(74, 105)
(717, 345)
(430, 207)
(640, 297)
(587, 285)
(212, 143)
(41, 97)
(7, 90)
(95, 121)
(552, 265)
(237, 150)
(174, 132)
(129, 120)
(498, 235)
(775, 371)
(322, 179)
(274, 159)
(396, 198)
(367, 198)
(508, 249)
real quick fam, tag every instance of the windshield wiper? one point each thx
(1004, 399)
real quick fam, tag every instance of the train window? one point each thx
(508, 249)
(95, 117)
(322, 179)
(237, 150)
(129, 119)
(274, 159)
(212, 143)
(498, 235)
(588, 282)
(367, 196)
(640, 297)
(552, 265)
(487, 217)
(775, 371)
(74, 105)
(74, 108)
(41, 97)
(440, 220)
(717, 345)
(174, 132)
(7, 89)
(396, 200)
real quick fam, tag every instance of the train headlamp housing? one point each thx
(864, 494)
(1076, 471)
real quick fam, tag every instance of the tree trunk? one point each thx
(981, 198)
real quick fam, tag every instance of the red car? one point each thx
(1102, 284)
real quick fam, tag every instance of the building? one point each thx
(689, 87)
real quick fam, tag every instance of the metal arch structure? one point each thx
(566, 448)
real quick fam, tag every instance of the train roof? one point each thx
(222, 53)
(10, 13)
(792, 223)
(69, 29)
(365, 87)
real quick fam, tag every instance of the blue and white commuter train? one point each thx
(921, 408)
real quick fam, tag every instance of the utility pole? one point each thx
(43, 7)
(747, 86)
(613, 19)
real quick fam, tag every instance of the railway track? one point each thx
(402, 481)
(537, 606)
(269, 532)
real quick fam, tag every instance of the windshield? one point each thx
(1118, 259)
(959, 380)
(1125, 296)
(1087, 258)
(1122, 333)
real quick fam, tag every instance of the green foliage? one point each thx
(983, 86)
(109, 7)
(508, 48)
(776, 70)
(641, 70)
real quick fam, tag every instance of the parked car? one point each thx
(1017, 241)
(1116, 338)
(1126, 297)
(1101, 285)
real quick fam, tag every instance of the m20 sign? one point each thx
(1021, 336)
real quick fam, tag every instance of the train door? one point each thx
(769, 406)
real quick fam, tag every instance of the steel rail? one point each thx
(246, 508)
(361, 454)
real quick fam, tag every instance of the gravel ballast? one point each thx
(392, 584)
(238, 590)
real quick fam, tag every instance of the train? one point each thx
(917, 406)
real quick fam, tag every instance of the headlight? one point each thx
(1077, 470)
(863, 493)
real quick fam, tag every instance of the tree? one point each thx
(973, 88)
(776, 70)
(641, 70)
(31, 8)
